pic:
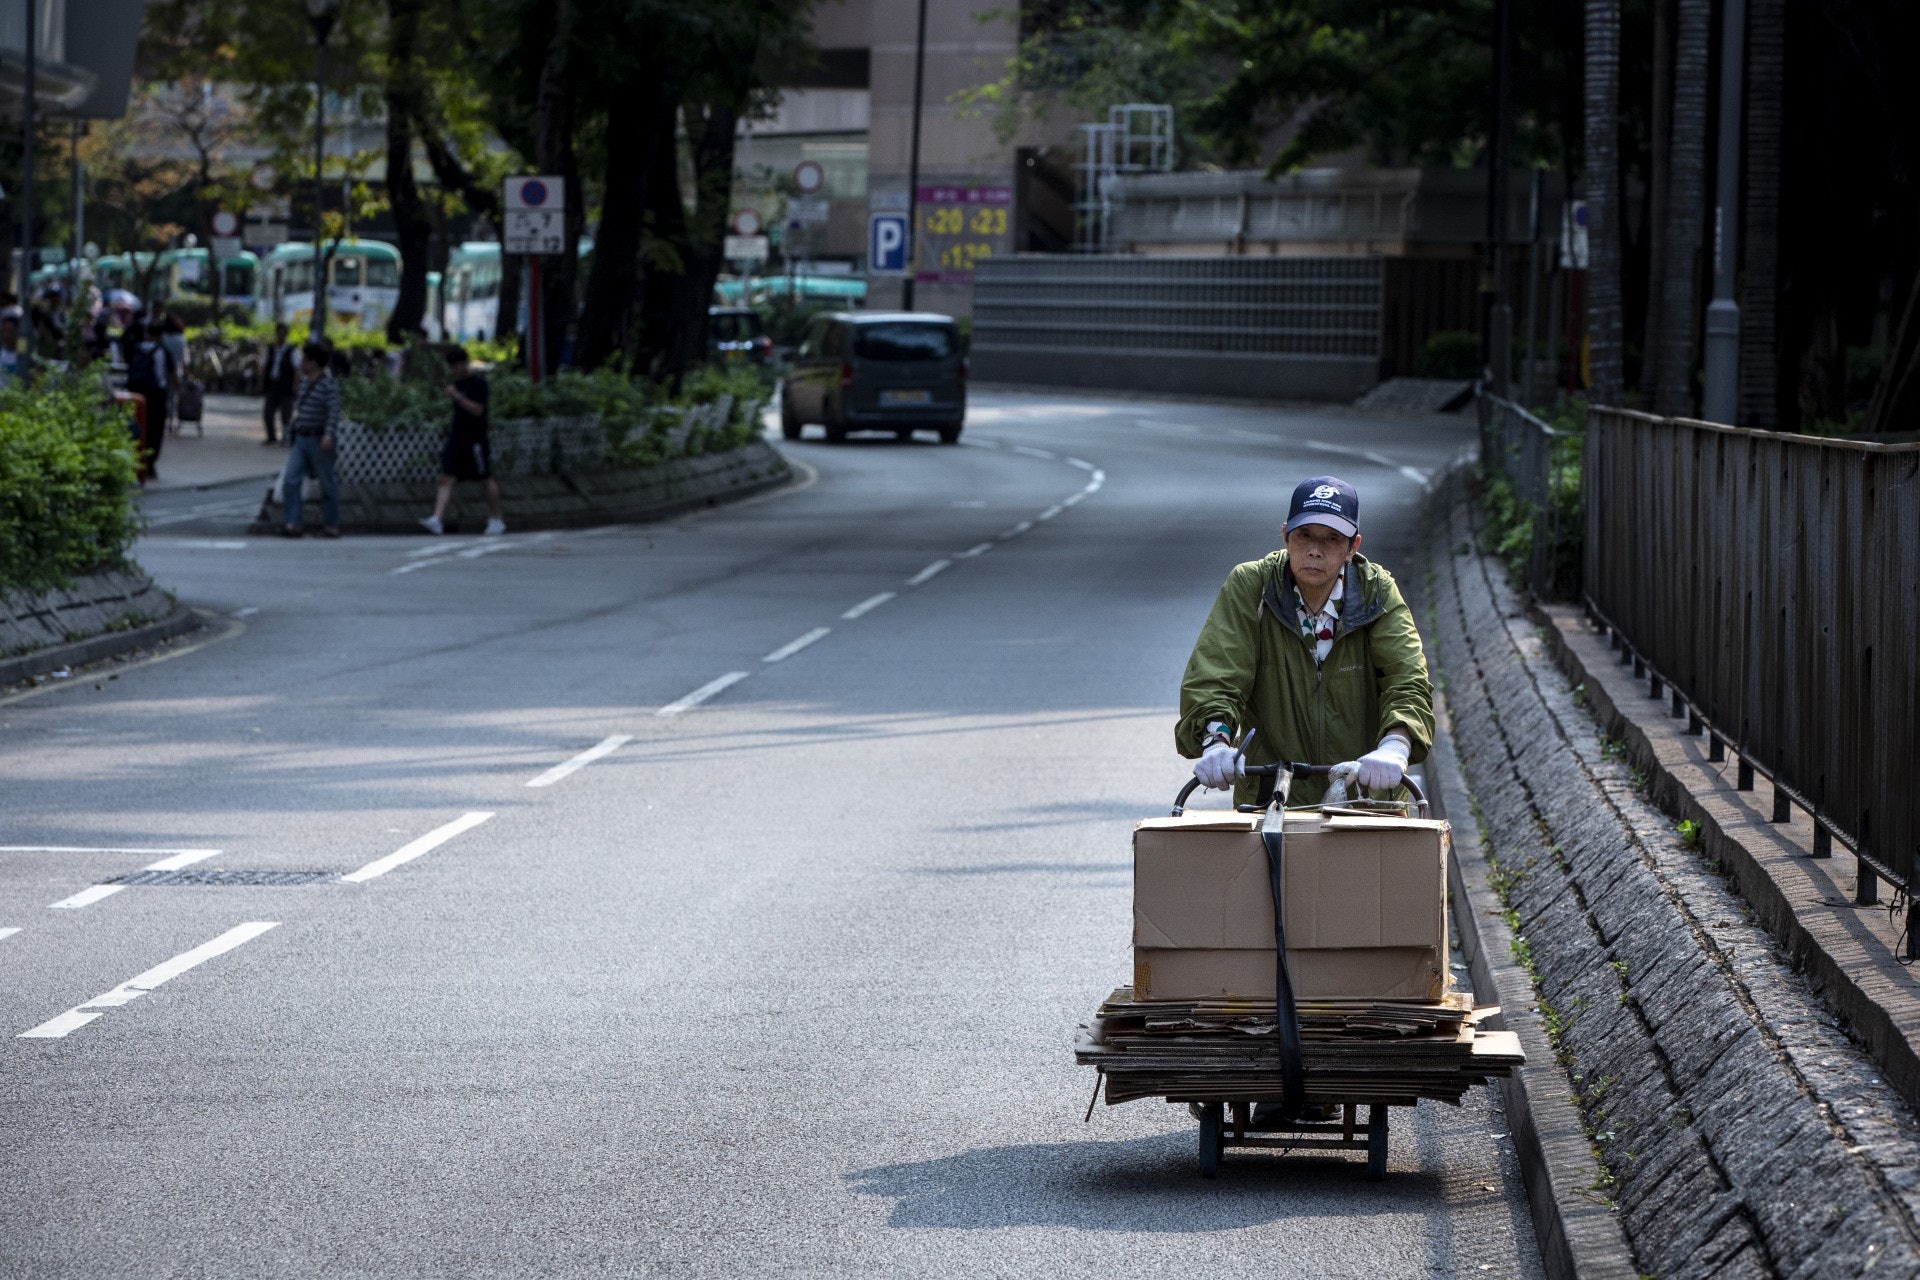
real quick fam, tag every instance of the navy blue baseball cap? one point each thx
(1326, 500)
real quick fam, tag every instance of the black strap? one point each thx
(1293, 1070)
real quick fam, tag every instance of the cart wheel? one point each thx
(1212, 1121)
(1376, 1143)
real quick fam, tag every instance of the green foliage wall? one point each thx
(66, 481)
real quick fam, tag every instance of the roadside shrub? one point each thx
(1451, 353)
(67, 474)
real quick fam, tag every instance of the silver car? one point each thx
(897, 371)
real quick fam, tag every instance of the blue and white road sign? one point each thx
(887, 244)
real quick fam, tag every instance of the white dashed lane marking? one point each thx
(978, 549)
(605, 747)
(928, 572)
(792, 647)
(9, 932)
(144, 983)
(408, 852)
(719, 684)
(867, 606)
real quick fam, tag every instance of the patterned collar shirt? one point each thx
(1319, 627)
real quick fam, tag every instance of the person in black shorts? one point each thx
(467, 455)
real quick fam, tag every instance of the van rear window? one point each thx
(906, 341)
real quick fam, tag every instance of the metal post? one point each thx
(79, 220)
(1721, 382)
(536, 356)
(1533, 284)
(26, 191)
(913, 163)
(317, 325)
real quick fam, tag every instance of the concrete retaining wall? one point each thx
(99, 615)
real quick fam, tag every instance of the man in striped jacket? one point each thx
(316, 422)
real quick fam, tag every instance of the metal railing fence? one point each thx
(1776, 580)
(1534, 459)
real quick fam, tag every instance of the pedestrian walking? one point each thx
(467, 454)
(314, 431)
(173, 340)
(278, 375)
(147, 378)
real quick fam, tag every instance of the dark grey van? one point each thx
(892, 371)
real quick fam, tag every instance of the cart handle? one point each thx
(1297, 769)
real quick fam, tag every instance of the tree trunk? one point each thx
(664, 243)
(1604, 233)
(484, 200)
(1660, 131)
(554, 154)
(1760, 381)
(1686, 216)
(413, 226)
(711, 132)
(639, 125)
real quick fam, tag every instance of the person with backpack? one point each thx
(316, 422)
(147, 378)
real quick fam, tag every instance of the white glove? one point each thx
(1219, 766)
(1382, 767)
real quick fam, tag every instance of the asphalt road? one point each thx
(783, 982)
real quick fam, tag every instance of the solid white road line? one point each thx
(438, 549)
(247, 612)
(139, 985)
(1032, 452)
(979, 549)
(94, 893)
(1414, 474)
(208, 544)
(717, 685)
(605, 747)
(9, 932)
(408, 852)
(1081, 463)
(928, 572)
(1050, 512)
(1075, 500)
(1017, 530)
(867, 606)
(792, 647)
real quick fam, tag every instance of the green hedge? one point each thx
(67, 474)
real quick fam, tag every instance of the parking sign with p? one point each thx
(887, 244)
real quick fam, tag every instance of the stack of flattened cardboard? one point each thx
(1366, 927)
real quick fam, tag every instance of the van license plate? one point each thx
(906, 397)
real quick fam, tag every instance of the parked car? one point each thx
(736, 335)
(897, 371)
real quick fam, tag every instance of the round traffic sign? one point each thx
(533, 193)
(746, 222)
(262, 177)
(809, 177)
(225, 224)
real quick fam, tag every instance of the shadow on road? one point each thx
(1134, 1185)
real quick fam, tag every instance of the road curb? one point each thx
(108, 644)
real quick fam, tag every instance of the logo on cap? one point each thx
(1326, 491)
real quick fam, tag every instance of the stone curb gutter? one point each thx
(99, 616)
(1739, 1131)
(1807, 903)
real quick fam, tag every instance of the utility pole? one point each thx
(1720, 390)
(913, 162)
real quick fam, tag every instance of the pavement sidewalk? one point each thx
(225, 447)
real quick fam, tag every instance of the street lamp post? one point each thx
(26, 189)
(913, 162)
(321, 14)
(1720, 380)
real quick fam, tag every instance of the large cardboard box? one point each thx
(1365, 899)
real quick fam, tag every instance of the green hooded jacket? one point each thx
(1251, 667)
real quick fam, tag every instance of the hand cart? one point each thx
(1226, 1122)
